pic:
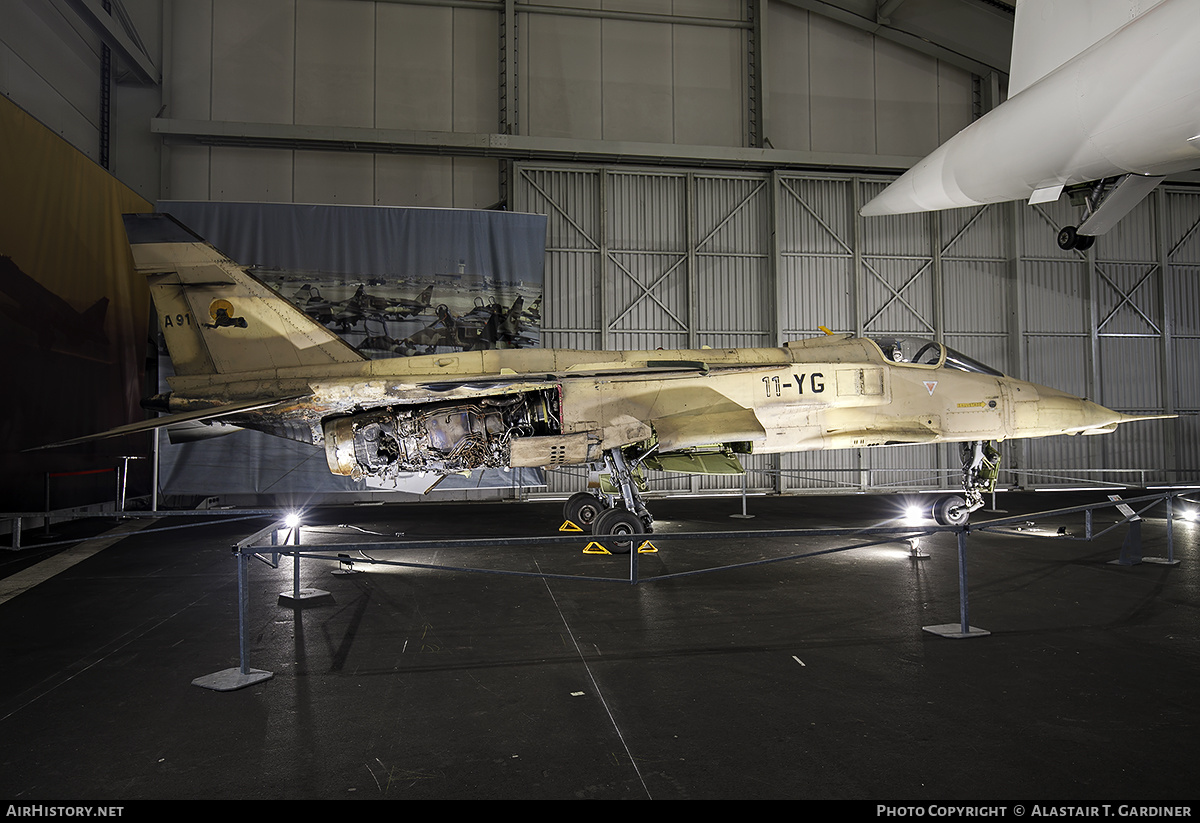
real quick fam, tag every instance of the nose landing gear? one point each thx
(980, 468)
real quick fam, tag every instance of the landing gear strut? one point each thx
(624, 517)
(980, 467)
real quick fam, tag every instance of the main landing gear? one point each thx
(1070, 238)
(622, 516)
(980, 468)
(1104, 202)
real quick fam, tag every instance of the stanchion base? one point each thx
(915, 552)
(232, 679)
(955, 630)
(305, 597)
(742, 516)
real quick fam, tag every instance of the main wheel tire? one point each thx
(951, 511)
(1067, 238)
(621, 527)
(582, 509)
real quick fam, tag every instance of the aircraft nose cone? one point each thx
(1056, 412)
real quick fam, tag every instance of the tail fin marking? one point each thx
(216, 317)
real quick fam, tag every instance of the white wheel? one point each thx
(951, 511)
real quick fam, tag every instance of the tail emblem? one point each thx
(221, 312)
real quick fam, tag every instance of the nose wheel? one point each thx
(980, 468)
(951, 510)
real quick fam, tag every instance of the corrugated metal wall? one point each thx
(643, 258)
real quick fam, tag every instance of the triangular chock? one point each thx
(595, 548)
(568, 526)
(647, 548)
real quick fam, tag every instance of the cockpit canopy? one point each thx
(917, 351)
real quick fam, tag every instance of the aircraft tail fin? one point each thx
(216, 317)
(1048, 33)
(426, 297)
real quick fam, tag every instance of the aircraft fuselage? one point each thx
(550, 407)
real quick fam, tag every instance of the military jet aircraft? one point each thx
(362, 306)
(1101, 92)
(485, 326)
(403, 307)
(308, 297)
(285, 374)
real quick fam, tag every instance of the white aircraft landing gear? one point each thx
(1104, 203)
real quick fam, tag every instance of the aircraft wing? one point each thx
(172, 419)
(707, 417)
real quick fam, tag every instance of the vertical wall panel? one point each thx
(188, 80)
(841, 85)
(335, 63)
(476, 76)
(414, 62)
(710, 100)
(906, 84)
(637, 82)
(189, 173)
(646, 270)
(1130, 373)
(562, 77)
(732, 237)
(412, 181)
(788, 119)
(956, 97)
(898, 279)
(254, 52)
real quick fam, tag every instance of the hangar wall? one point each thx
(615, 72)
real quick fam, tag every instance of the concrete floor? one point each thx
(806, 679)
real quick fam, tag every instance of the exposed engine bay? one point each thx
(447, 437)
